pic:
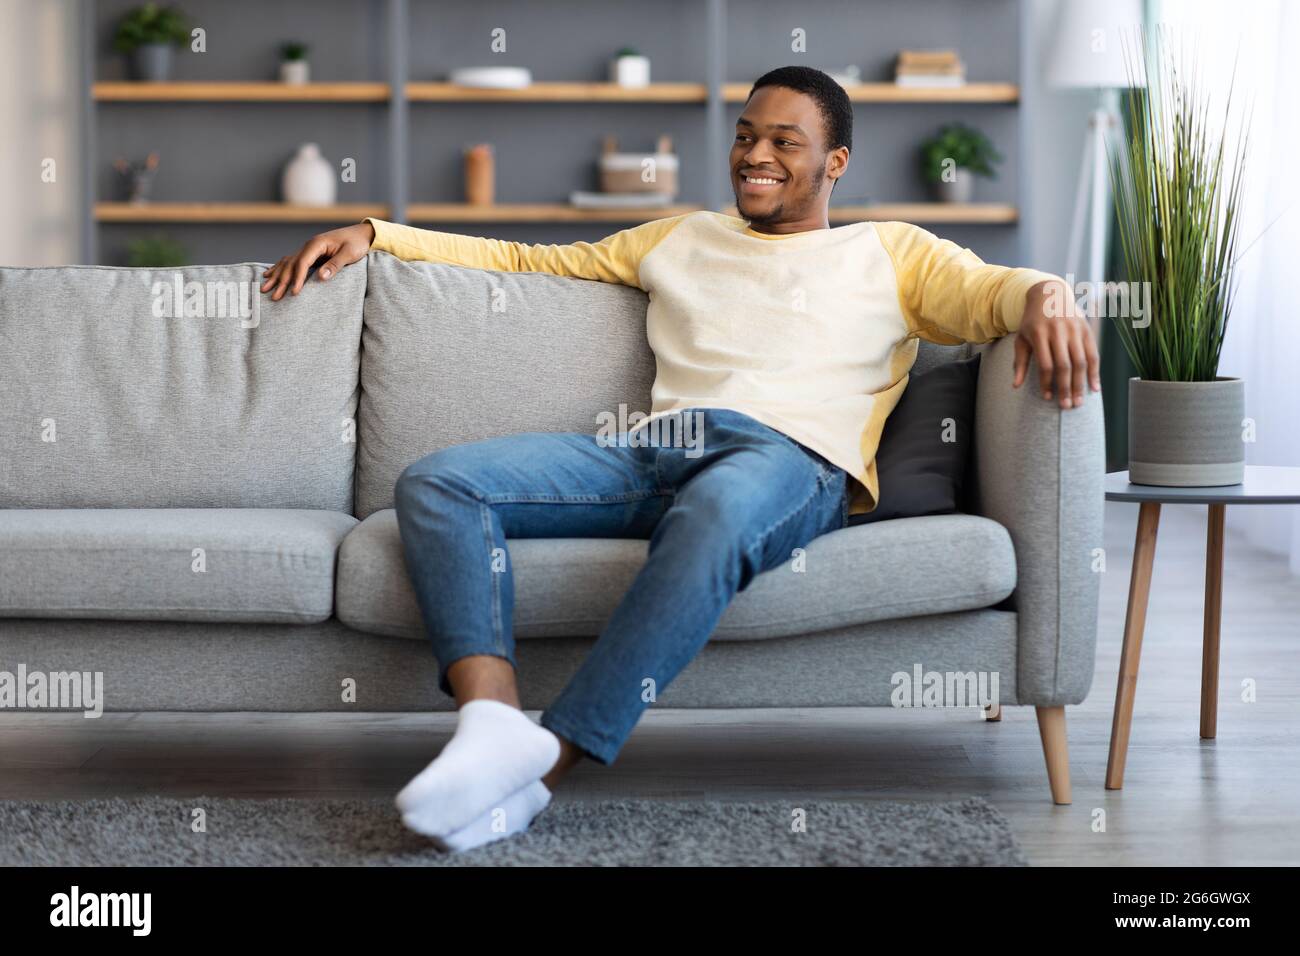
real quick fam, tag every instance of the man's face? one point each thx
(779, 161)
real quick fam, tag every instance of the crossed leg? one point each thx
(714, 522)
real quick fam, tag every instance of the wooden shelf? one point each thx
(937, 213)
(131, 91)
(561, 93)
(893, 93)
(242, 92)
(928, 212)
(201, 212)
(921, 213)
(235, 212)
(537, 212)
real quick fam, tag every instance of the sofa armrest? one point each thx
(1039, 471)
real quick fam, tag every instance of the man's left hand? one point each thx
(1059, 337)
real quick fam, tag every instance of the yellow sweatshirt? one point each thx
(811, 333)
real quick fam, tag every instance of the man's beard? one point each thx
(775, 215)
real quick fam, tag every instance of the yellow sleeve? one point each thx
(616, 258)
(948, 294)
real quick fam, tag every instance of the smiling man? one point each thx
(790, 340)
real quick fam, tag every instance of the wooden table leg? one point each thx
(1139, 588)
(1213, 615)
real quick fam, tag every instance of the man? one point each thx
(790, 341)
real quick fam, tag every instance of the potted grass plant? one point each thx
(1178, 197)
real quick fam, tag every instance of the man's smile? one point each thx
(759, 184)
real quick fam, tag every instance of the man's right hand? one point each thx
(341, 247)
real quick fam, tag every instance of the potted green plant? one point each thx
(156, 252)
(147, 35)
(629, 68)
(952, 158)
(294, 68)
(1178, 196)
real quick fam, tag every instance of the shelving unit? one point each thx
(407, 104)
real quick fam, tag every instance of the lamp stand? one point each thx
(1092, 205)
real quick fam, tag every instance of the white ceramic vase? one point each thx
(309, 178)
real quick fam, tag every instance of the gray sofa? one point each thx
(196, 490)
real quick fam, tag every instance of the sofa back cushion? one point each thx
(930, 356)
(452, 354)
(114, 394)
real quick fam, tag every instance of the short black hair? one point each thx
(832, 101)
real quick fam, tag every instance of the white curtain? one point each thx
(40, 103)
(1262, 346)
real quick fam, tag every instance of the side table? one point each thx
(1263, 485)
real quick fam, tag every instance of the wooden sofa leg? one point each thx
(993, 713)
(1056, 750)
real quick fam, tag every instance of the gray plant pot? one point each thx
(1186, 434)
(961, 189)
(152, 62)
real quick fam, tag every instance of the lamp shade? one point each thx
(1088, 45)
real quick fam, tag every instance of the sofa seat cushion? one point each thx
(184, 564)
(569, 587)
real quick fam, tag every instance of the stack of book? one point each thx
(929, 68)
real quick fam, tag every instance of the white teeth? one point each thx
(762, 182)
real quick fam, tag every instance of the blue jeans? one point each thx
(716, 515)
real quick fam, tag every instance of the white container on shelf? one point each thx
(638, 172)
(295, 72)
(633, 71)
(309, 179)
(492, 77)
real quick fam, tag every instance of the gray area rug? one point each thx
(156, 831)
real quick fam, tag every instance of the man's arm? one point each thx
(616, 258)
(949, 295)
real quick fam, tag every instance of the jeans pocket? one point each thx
(826, 472)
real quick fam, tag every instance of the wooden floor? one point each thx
(1230, 801)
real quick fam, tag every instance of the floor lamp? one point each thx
(1087, 53)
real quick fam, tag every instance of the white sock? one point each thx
(495, 751)
(513, 816)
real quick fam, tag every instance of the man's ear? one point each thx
(837, 161)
